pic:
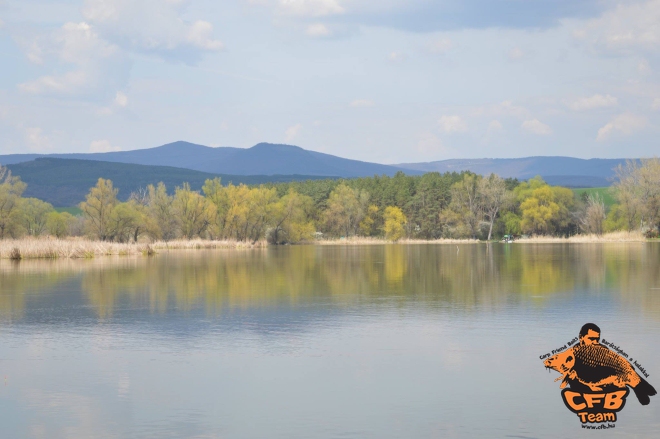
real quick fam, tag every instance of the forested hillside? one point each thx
(431, 206)
(65, 182)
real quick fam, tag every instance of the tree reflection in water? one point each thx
(468, 277)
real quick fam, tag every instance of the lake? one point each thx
(383, 341)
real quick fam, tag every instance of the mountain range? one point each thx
(63, 179)
(261, 159)
(563, 171)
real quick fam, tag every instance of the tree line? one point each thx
(430, 206)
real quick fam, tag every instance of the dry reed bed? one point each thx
(50, 248)
(359, 240)
(606, 237)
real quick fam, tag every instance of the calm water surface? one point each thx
(388, 341)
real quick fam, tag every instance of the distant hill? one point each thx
(267, 159)
(65, 182)
(261, 159)
(564, 171)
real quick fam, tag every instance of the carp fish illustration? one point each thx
(594, 366)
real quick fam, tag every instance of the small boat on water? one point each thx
(509, 238)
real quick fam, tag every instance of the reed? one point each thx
(77, 248)
(621, 236)
(81, 248)
(361, 240)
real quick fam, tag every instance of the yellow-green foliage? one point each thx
(11, 189)
(368, 222)
(345, 210)
(97, 208)
(638, 194)
(544, 209)
(394, 222)
(58, 223)
(454, 205)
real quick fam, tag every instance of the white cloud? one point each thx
(102, 146)
(292, 132)
(495, 126)
(515, 54)
(495, 129)
(121, 99)
(535, 126)
(36, 140)
(441, 46)
(309, 8)
(430, 145)
(656, 104)
(628, 26)
(595, 101)
(152, 26)
(626, 123)
(644, 67)
(503, 109)
(200, 35)
(362, 103)
(397, 56)
(96, 64)
(452, 124)
(317, 30)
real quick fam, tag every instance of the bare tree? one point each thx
(494, 198)
(638, 192)
(591, 221)
(466, 207)
(140, 196)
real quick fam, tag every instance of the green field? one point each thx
(75, 211)
(605, 193)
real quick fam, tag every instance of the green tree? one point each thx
(192, 211)
(34, 215)
(394, 223)
(367, 225)
(125, 222)
(346, 209)
(465, 211)
(544, 209)
(11, 189)
(260, 203)
(160, 213)
(97, 208)
(291, 219)
(58, 223)
(218, 195)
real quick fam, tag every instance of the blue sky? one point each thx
(388, 81)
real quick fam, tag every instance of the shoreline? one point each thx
(80, 248)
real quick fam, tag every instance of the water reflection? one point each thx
(468, 276)
(356, 342)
